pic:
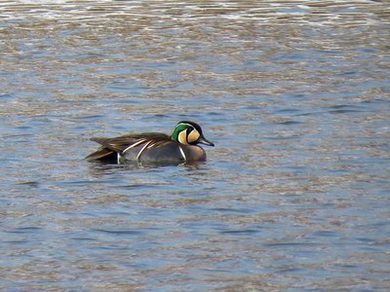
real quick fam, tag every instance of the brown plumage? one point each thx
(112, 146)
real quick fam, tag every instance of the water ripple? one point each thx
(293, 196)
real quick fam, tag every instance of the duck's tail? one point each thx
(103, 154)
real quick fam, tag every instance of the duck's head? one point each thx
(189, 133)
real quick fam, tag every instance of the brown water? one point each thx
(295, 95)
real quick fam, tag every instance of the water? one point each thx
(295, 95)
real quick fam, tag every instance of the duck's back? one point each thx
(146, 147)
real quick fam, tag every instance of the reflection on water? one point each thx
(295, 193)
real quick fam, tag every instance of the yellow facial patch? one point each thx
(182, 137)
(193, 136)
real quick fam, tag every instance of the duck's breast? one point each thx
(194, 153)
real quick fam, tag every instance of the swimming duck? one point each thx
(181, 146)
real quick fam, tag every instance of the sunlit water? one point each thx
(295, 95)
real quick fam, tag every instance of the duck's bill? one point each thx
(204, 141)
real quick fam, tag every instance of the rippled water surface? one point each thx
(295, 95)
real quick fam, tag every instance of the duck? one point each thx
(181, 146)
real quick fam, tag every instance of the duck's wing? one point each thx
(111, 146)
(120, 144)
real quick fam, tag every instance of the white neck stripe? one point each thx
(182, 153)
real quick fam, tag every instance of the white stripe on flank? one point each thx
(134, 145)
(118, 157)
(182, 153)
(142, 150)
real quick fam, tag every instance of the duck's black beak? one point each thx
(203, 140)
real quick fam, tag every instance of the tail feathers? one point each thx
(102, 154)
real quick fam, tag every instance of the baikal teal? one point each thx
(181, 146)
